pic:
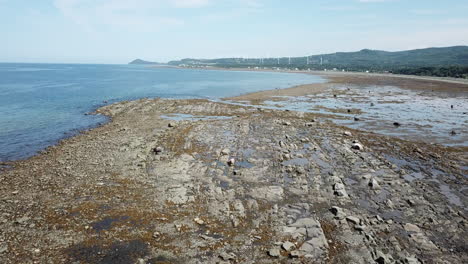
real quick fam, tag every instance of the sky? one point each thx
(118, 31)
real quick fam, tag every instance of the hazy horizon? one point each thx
(119, 31)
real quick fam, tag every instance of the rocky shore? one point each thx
(195, 181)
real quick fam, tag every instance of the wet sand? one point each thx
(195, 181)
(405, 82)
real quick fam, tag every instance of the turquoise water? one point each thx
(43, 103)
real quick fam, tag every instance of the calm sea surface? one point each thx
(42, 103)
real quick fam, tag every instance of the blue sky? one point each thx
(117, 31)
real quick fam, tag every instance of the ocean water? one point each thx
(43, 103)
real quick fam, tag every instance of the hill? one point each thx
(447, 56)
(138, 61)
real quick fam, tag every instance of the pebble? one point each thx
(353, 219)
(338, 212)
(357, 146)
(411, 228)
(225, 151)
(374, 184)
(274, 252)
(158, 150)
(227, 256)
(288, 246)
(199, 221)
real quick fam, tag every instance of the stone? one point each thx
(158, 150)
(381, 258)
(317, 244)
(353, 220)
(341, 193)
(423, 242)
(227, 256)
(199, 221)
(374, 184)
(300, 170)
(340, 190)
(23, 220)
(347, 133)
(411, 260)
(286, 123)
(274, 252)
(389, 203)
(338, 212)
(3, 249)
(338, 186)
(171, 124)
(411, 228)
(288, 246)
(231, 162)
(225, 151)
(357, 146)
(360, 227)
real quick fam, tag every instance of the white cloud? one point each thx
(137, 15)
(190, 3)
(372, 1)
(142, 15)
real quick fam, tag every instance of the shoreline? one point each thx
(336, 73)
(331, 78)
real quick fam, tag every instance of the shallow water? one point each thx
(424, 116)
(42, 103)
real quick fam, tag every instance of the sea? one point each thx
(41, 104)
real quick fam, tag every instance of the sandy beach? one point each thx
(197, 181)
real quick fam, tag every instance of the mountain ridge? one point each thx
(434, 56)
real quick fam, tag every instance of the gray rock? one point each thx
(340, 190)
(374, 184)
(357, 146)
(225, 151)
(3, 249)
(317, 244)
(360, 227)
(353, 220)
(338, 212)
(381, 258)
(227, 256)
(411, 228)
(411, 260)
(274, 252)
(23, 220)
(300, 170)
(288, 246)
(158, 150)
(347, 133)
